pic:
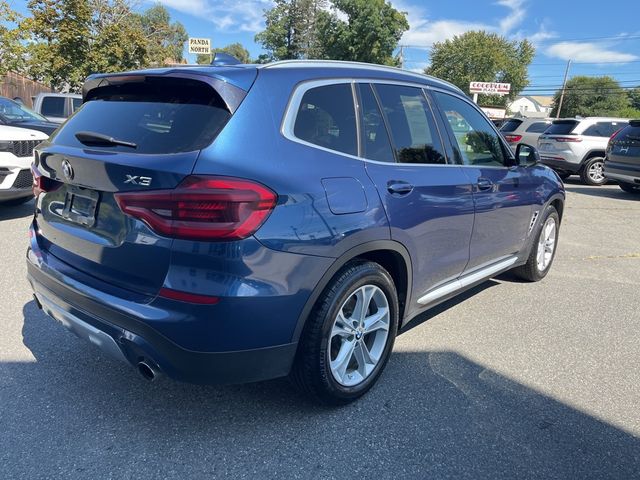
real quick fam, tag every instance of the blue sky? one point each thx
(600, 38)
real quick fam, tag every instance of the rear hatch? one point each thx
(624, 148)
(559, 136)
(132, 133)
(508, 128)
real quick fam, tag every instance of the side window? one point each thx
(603, 129)
(538, 127)
(52, 106)
(326, 117)
(412, 125)
(477, 142)
(375, 140)
(76, 103)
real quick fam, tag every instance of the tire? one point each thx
(326, 338)
(14, 202)
(630, 188)
(591, 173)
(534, 270)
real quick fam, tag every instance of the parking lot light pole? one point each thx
(564, 86)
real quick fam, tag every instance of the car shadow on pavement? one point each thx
(616, 193)
(18, 211)
(73, 412)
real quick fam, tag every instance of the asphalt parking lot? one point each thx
(512, 380)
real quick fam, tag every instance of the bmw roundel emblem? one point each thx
(67, 170)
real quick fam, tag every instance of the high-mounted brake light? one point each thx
(202, 208)
(615, 134)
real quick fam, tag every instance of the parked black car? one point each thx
(622, 162)
(16, 115)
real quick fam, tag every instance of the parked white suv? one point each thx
(16, 155)
(576, 146)
(524, 130)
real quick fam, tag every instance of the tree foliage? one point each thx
(291, 29)
(358, 30)
(235, 49)
(591, 96)
(11, 37)
(165, 39)
(480, 56)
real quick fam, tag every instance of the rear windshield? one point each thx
(158, 115)
(562, 127)
(629, 134)
(510, 125)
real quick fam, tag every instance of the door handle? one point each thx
(484, 184)
(399, 188)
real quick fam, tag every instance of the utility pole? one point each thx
(564, 86)
(401, 56)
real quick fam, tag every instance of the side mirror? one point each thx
(527, 155)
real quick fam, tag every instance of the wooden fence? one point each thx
(13, 85)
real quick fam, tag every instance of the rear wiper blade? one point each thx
(95, 138)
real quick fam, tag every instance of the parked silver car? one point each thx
(576, 146)
(524, 130)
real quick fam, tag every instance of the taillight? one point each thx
(202, 208)
(42, 184)
(567, 139)
(513, 138)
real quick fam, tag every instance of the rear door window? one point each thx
(53, 106)
(562, 127)
(159, 115)
(603, 129)
(374, 137)
(477, 142)
(537, 127)
(76, 103)
(413, 128)
(326, 117)
(510, 125)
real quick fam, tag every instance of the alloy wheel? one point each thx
(359, 335)
(546, 244)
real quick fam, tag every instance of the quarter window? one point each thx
(477, 141)
(412, 125)
(375, 140)
(326, 117)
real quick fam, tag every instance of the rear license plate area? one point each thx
(80, 206)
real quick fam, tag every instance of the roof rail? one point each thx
(361, 65)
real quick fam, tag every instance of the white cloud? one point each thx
(515, 17)
(587, 52)
(226, 15)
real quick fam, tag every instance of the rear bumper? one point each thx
(130, 340)
(560, 163)
(624, 173)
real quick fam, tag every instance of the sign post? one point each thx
(488, 88)
(200, 46)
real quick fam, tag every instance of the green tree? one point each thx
(634, 98)
(591, 96)
(370, 33)
(482, 57)
(11, 36)
(291, 29)
(235, 49)
(165, 39)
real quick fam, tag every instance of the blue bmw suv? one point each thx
(226, 224)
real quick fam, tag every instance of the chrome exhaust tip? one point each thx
(147, 371)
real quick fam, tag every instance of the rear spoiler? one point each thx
(231, 94)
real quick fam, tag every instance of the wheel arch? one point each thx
(596, 152)
(391, 255)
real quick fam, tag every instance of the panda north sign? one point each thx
(200, 45)
(490, 88)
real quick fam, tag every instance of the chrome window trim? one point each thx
(291, 112)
